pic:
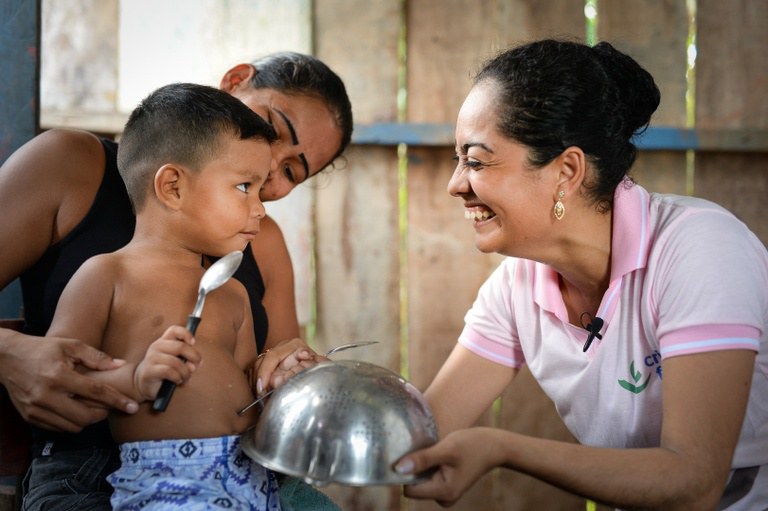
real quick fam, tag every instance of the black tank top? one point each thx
(107, 226)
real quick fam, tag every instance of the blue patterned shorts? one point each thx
(191, 474)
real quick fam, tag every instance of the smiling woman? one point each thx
(499, 187)
(544, 146)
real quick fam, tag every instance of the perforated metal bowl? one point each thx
(344, 422)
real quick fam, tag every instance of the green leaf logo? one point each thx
(636, 376)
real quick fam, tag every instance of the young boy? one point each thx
(193, 159)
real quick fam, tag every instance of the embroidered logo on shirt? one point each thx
(635, 376)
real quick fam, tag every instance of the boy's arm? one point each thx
(83, 312)
(83, 309)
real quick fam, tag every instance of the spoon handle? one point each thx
(166, 389)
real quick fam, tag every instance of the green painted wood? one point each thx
(356, 210)
(654, 33)
(447, 42)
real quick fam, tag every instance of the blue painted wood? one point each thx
(19, 71)
(392, 133)
(19, 111)
(655, 138)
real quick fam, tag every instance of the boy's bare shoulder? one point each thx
(106, 266)
(237, 289)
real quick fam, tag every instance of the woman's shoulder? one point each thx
(63, 157)
(269, 245)
(270, 229)
(69, 146)
(686, 221)
(703, 258)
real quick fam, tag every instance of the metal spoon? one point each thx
(214, 277)
(327, 354)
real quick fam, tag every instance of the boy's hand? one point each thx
(171, 357)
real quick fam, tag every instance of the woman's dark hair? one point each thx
(556, 94)
(181, 123)
(300, 74)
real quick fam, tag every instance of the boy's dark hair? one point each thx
(181, 123)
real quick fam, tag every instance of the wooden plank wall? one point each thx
(731, 85)
(654, 32)
(442, 270)
(386, 255)
(357, 214)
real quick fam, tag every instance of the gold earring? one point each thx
(559, 209)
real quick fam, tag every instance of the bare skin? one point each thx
(41, 373)
(120, 302)
(163, 292)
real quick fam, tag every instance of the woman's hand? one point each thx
(458, 461)
(45, 385)
(275, 366)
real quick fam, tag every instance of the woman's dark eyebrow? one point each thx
(288, 123)
(295, 141)
(466, 147)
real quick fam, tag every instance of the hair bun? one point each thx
(636, 88)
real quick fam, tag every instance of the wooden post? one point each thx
(357, 214)
(731, 80)
(655, 34)
(19, 97)
(445, 270)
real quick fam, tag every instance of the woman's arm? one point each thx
(705, 398)
(464, 388)
(271, 254)
(245, 344)
(285, 352)
(46, 188)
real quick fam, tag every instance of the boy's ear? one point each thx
(238, 75)
(169, 181)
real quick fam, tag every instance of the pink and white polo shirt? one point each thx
(686, 277)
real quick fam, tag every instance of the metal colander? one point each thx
(344, 422)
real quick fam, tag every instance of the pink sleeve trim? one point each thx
(702, 338)
(501, 353)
